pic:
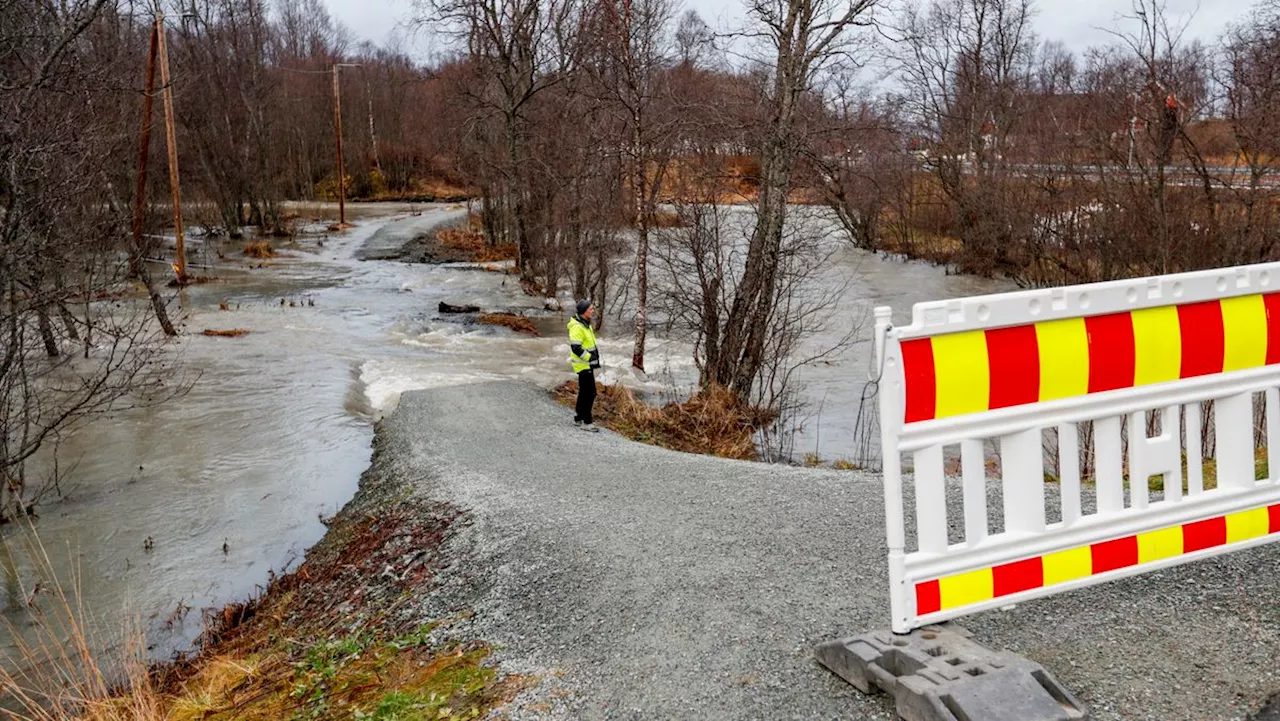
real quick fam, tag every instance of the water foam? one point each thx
(385, 380)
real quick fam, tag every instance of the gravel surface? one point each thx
(627, 581)
(399, 239)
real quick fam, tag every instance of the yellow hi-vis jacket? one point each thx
(583, 353)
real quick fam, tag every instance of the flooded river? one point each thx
(190, 504)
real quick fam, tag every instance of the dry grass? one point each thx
(726, 179)
(328, 641)
(517, 323)
(355, 676)
(260, 249)
(470, 239)
(227, 333)
(924, 245)
(53, 672)
(437, 188)
(714, 422)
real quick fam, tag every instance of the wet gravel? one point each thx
(627, 581)
(414, 239)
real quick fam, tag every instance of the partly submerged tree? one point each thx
(804, 36)
(68, 349)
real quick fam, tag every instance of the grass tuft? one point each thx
(260, 249)
(714, 422)
(51, 669)
(470, 239)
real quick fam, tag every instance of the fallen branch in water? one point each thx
(517, 323)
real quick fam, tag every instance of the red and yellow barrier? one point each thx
(970, 372)
(986, 584)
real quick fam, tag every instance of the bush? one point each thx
(261, 249)
(714, 422)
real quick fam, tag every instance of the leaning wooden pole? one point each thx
(144, 147)
(337, 131)
(180, 266)
(137, 260)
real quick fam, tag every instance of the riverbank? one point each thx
(346, 634)
(579, 575)
(172, 509)
(713, 421)
(595, 577)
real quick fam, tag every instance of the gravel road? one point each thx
(627, 581)
(394, 240)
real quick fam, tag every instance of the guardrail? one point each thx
(990, 379)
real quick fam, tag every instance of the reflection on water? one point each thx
(276, 429)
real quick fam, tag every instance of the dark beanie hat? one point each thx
(583, 305)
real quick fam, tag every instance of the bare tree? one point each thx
(698, 270)
(967, 66)
(862, 165)
(634, 54)
(62, 241)
(226, 108)
(518, 49)
(1250, 77)
(805, 36)
(694, 41)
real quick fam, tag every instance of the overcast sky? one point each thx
(1078, 23)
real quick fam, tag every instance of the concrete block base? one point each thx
(939, 673)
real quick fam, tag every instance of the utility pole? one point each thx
(373, 135)
(337, 133)
(180, 267)
(144, 145)
(137, 260)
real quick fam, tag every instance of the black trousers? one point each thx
(586, 395)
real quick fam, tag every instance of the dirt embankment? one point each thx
(462, 242)
(346, 634)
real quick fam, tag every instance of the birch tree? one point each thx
(804, 37)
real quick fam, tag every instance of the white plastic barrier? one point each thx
(992, 378)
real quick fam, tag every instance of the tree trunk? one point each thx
(69, 321)
(157, 302)
(46, 331)
(643, 217)
(742, 350)
(515, 189)
(602, 285)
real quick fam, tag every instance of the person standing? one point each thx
(585, 359)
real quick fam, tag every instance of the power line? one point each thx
(304, 72)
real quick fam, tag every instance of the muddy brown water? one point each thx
(276, 428)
